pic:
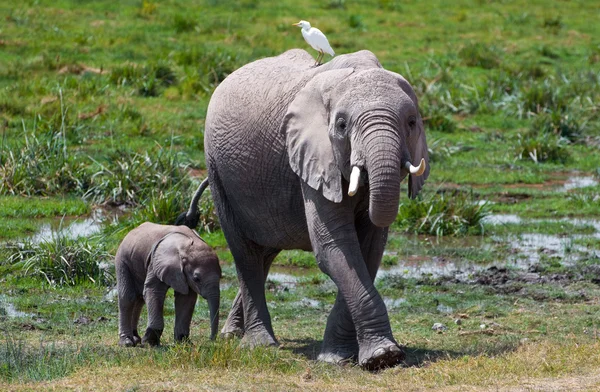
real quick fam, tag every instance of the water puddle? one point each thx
(285, 281)
(435, 267)
(75, 228)
(8, 309)
(421, 256)
(393, 303)
(445, 309)
(502, 219)
(69, 228)
(579, 182)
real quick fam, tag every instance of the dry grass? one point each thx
(532, 367)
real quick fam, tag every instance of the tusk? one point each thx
(416, 171)
(354, 176)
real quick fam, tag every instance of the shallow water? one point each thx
(8, 309)
(579, 182)
(524, 251)
(502, 219)
(72, 228)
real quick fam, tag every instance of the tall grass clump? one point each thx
(183, 24)
(148, 80)
(566, 125)
(541, 147)
(435, 118)
(42, 165)
(131, 178)
(480, 55)
(62, 260)
(455, 213)
(213, 64)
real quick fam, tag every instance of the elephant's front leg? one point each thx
(184, 310)
(154, 296)
(339, 342)
(336, 244)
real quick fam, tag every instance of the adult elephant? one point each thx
(303, 157)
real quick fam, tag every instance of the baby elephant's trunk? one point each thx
(213, 307)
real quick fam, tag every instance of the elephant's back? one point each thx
(256, 94)
(244, 145)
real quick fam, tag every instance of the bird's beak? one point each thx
(296, 24)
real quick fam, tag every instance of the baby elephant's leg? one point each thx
(184, 310)
(135, 318)
(155, 300)
(127, 300)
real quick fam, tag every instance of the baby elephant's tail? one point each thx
(192, 216)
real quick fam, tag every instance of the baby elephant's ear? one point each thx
(167, 263)
(306, 126)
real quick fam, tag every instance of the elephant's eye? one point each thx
(412, 121)
(341, 124)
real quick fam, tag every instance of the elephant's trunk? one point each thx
(213, 308)
(383, 162)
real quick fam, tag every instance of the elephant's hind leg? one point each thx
(339, 341)
(234, 326)
(249, 261)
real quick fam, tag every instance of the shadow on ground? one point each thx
(415, 356)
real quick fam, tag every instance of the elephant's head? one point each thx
(185, 262)
(363, 126)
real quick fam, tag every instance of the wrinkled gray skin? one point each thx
(153, 258)
(280, 141)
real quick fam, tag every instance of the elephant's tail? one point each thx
(191, 217)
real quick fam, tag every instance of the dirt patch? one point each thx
(78, 69)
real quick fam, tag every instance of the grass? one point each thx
(104, 104)
(443, 214)
(65, 261)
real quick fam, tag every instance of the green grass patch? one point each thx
(36, 207)
(65, 261)
(456, 213)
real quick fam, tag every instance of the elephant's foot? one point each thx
(379, 356)
(231, 331)
(152, 337)
(258, 338)
(339, 350)
(127, 341)
(337, 357)
(182, 338)
(136, 338)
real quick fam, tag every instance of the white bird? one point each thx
(315, 38)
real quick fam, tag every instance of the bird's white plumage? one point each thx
(315, 38)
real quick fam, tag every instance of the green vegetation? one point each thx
(102, 104)
(443, 214)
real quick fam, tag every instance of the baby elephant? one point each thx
(153, 258)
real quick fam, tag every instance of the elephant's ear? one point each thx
(306, 125)
(167, 263)
(417, 142)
